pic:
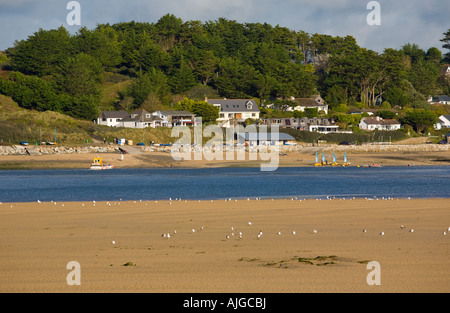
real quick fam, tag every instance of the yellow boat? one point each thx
(97, 164)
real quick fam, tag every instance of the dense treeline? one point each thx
(53, 70)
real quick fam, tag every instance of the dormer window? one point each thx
(249, 105)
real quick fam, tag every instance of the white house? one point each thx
(443, 122)
(441, 99)
(111, 118)
(235, 110)
(141, 119)
(315, 102)
(377, 123)
(175, 118)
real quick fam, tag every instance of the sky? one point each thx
(401, 21)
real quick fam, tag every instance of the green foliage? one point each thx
(209, 113)
(81, 75)
(172, 59)
(42, 53)
(419, 119)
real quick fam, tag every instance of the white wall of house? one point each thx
(112, 122)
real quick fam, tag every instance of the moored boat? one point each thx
(97, 164)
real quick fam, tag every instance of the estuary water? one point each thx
(223, 183)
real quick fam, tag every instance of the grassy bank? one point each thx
(17, 124)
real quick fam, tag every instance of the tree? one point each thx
(102, 43)
(182, 79)
(81, 75)
(209, 113)
(446, 45)
(42, 53)
(419, 119)
(154, 81)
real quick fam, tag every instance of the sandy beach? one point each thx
(303, 157)
(38, 240)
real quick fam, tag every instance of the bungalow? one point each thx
(443, 122)
(111, 118)
(141, 119)
(377, 123)
(441, 99)
(235, 111)
(175, 118)
(315, 102)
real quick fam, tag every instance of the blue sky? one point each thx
(402, 21)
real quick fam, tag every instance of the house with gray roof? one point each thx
(111, 118)
(377, 123)
(141, 119)
(235, 111)
(443, 122)
(441, 99)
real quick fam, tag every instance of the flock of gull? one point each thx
(234, 233)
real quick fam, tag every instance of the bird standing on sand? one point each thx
(382, 233)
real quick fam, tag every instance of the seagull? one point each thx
(364, 230)
(444, 233)
(382, 233)
(279, 233)
(228, 237)
(250, 223)
(411, 230)
(402, 227)
(168, 235)
(38, 201)
(293, 233)
(193, 230)
(314, 231)
(448, 229)
(113, 242)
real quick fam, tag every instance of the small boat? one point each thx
(324, 161)
(97, 164)
(375, 165)
(335, 163)
(346, 163)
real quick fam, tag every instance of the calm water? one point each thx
(163, 183)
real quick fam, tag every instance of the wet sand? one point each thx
(38, 240)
